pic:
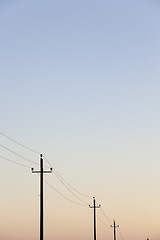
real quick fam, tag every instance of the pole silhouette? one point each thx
(114, 229)
(94, 207)
(41, 193)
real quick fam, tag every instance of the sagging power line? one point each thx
(9, 150)
(67, 185)
(108, 219)
(61, 179)
(20, 144)
(62, 195)
(51, 186)
(9, 160)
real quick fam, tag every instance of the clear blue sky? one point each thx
(79, 81)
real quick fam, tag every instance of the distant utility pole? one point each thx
(41, 193)
(114, 229)
(94, 206)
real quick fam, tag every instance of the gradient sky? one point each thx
(80, 83)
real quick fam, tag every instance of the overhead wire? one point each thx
(61, 179)
(101, 221)
(55, 172)
(120, 233)
(69, 188)
(9, 150)
(62, 194)
(66, 184)
(20, 144)
(108, 219)
(105, 216)
(9, 160)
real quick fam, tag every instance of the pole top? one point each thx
(41, 155)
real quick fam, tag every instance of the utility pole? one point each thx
(114, 228)
(41, 171)
(94, 206)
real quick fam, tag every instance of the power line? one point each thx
(65, 183)
(120, 233)
(47, 161)
(22, 145)
(68, 188)
(14, 162)
(18, 155)
(62, 194)
(105, 216)
(101, 221)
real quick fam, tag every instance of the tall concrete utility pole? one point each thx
(41, 193)
(114, 229)
(94, 206)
